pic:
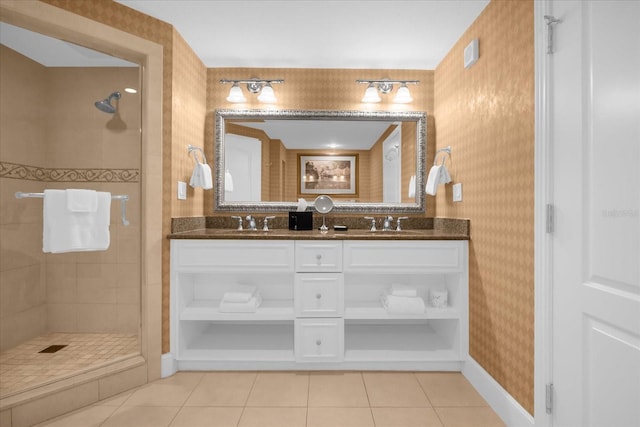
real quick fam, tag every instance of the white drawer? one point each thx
(405, 256)
(319, 340)
(318, 295)
(317, 256)
(233, 255)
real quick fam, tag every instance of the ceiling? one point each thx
(379, 34)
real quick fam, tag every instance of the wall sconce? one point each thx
(254, 85)
(385, 86)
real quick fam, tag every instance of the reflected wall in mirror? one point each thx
(259, 152)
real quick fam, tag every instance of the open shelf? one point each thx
(401, 342)
(239, 342)
(208, 310)
(373, 310)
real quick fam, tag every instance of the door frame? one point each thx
(543, 195)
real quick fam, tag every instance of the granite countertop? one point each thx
(424, 229)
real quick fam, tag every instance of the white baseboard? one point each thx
(511, 412)
(168, 364)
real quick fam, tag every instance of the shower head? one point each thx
(105, 104)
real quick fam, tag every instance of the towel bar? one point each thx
(122, 197)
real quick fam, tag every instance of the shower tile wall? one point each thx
(53, 137)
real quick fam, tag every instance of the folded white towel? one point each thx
(241, 307)
(82, 200)
(228, 181)
(239, 293)
(201, 176)
(400, 290)
(445, 178)
(65, 231)
(433, 180)
(402, 305)
(412, 186)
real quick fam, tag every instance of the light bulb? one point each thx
(236, 95)
(267, 95)
(403, 96)
(371, 94)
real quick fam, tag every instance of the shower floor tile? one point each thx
(23, 367)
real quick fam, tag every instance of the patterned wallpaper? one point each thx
(486, 114)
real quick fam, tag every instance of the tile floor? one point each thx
(293, 399)
(23, 367)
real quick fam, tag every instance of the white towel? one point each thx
(228, 181)
(241, 307)
(201, 176)
(438, 174)
(445, 178)
(82, 200)
(400, 290)
(239, 293)
(433, 180)
(412, 186)
(66, 231)
(402, 305)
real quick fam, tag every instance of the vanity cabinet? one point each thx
(321, 304)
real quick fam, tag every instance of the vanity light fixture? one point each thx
(385, 86)
(254, 85)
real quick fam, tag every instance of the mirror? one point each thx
(366, 161)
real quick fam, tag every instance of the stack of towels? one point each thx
(402, 299)
(241, 299)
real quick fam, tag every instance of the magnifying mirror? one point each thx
(324, 205)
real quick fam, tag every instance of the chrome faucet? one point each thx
(386, 223)
(265, 227)
(252, 223)
(373, 222)
(398, 228)
(239, 218)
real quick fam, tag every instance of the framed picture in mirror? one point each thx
(328, 174)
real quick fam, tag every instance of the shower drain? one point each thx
(53, 348)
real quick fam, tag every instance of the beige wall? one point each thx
(23, 310)
(78, 147)
(486, 114)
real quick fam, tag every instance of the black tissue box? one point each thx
(301, 220)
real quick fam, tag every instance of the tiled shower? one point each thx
(54, 137)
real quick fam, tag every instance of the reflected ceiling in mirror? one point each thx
(367, 161)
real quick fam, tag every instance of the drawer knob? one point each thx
(319, 258)
(318, 342)
(318, 296)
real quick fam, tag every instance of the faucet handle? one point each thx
(265, 227)
(398, 228)
(373, 222)
(239, 218)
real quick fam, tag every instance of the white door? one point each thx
(243, 162)
(595, 145)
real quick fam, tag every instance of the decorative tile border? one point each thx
(34, 173)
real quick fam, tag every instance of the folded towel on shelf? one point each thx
(82, 200)
(240, 293)
(69, 231)
(241, 307)
(400, 290)
(402, 305)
